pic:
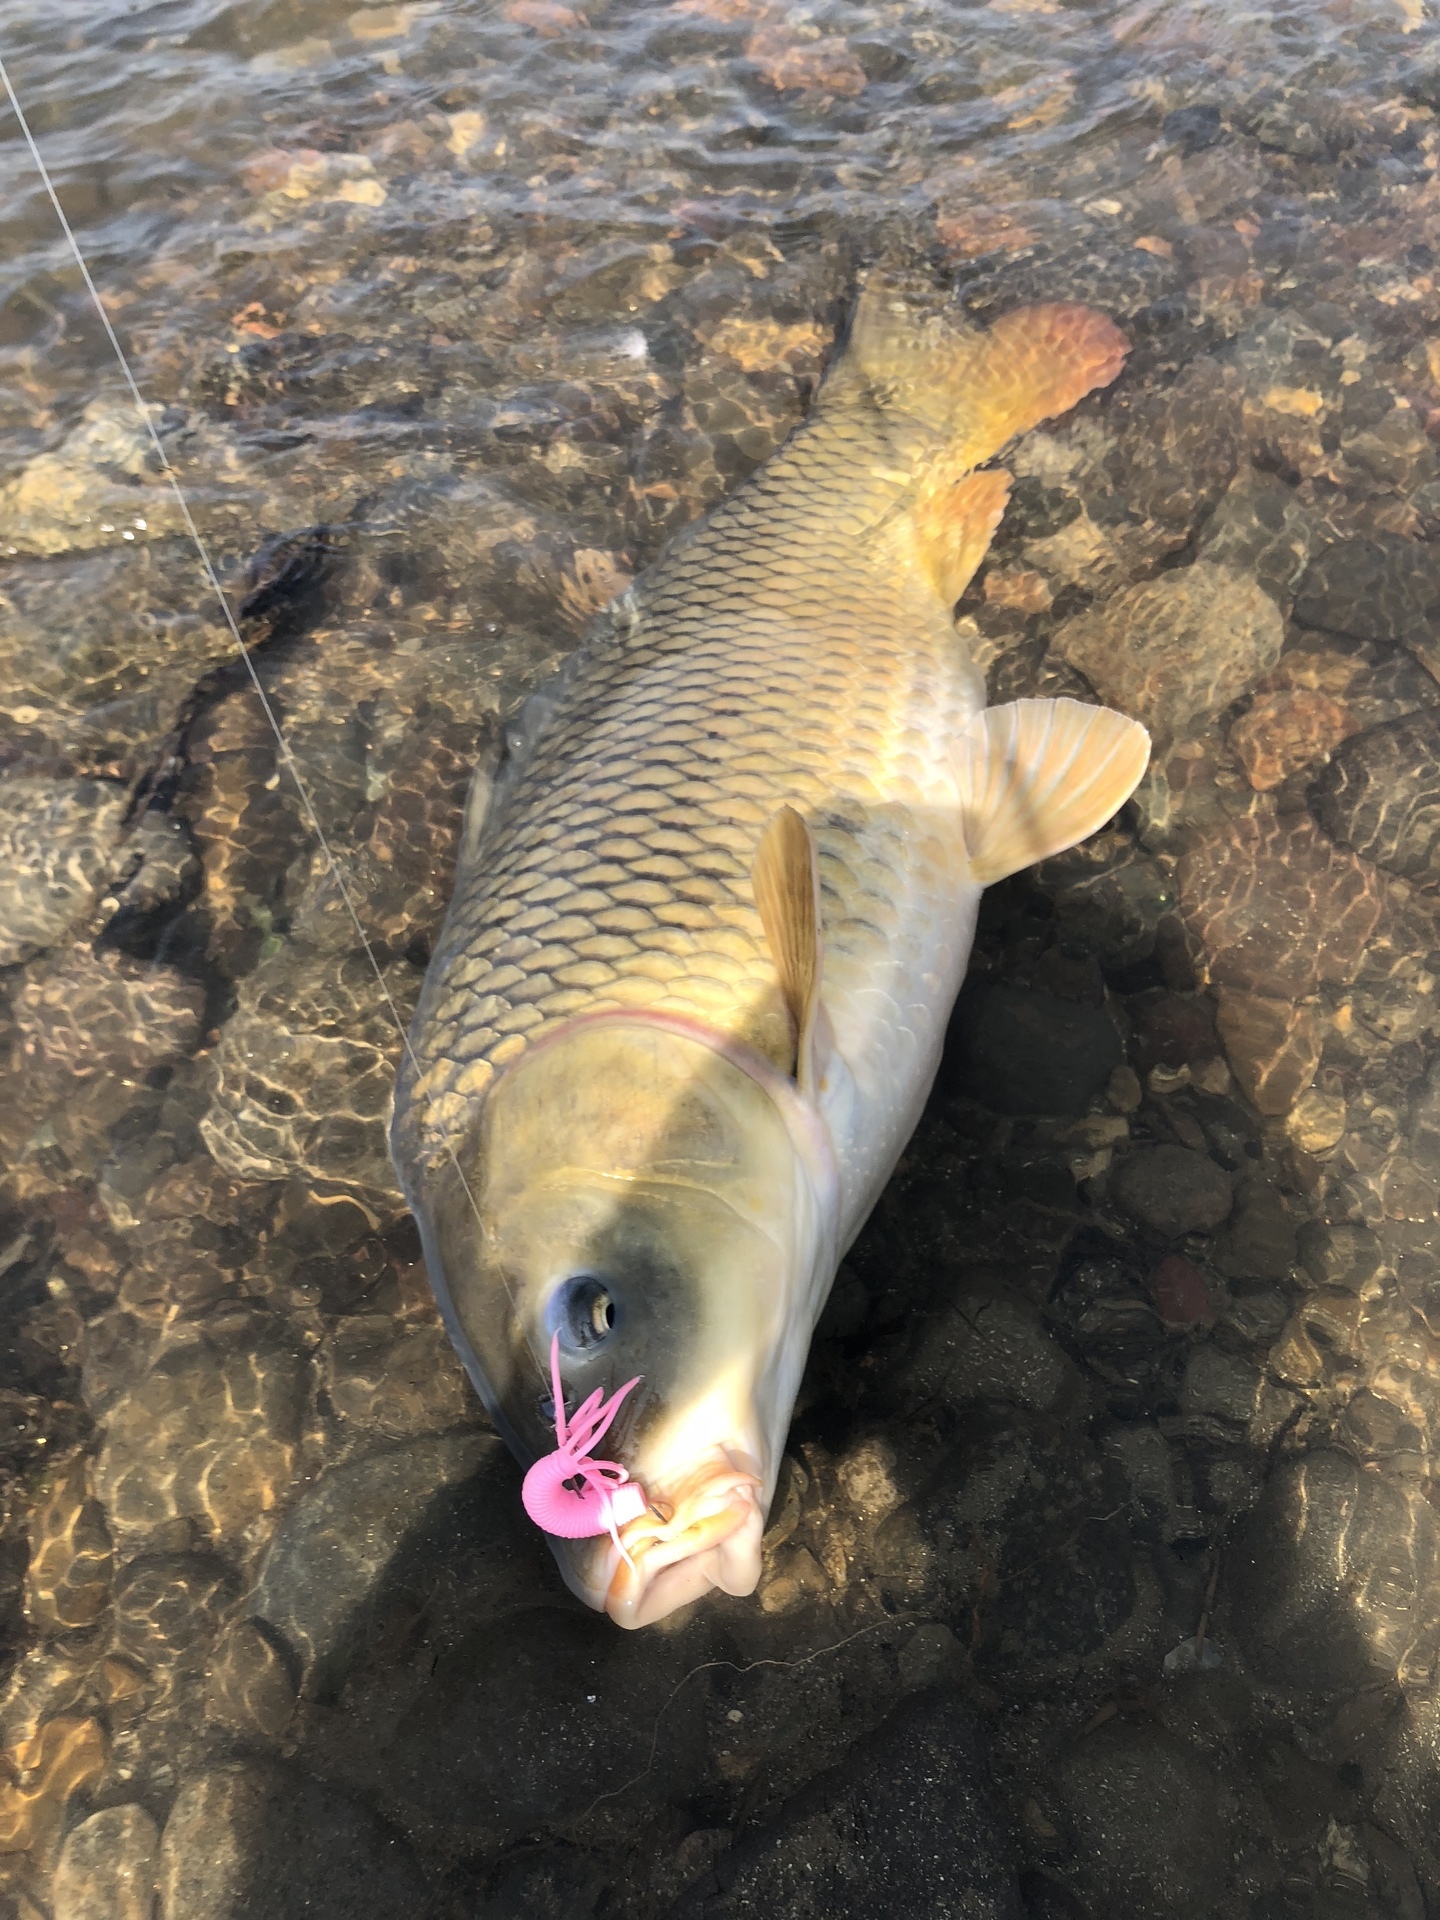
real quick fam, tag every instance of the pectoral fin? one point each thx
(786, 879)
(953, 525)
(1039, 775)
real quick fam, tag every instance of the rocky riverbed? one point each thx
(1103, 1581)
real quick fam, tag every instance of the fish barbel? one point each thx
(704, 942)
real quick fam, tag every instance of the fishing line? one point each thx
(333, 867)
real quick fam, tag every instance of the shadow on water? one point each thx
(1101, 1576)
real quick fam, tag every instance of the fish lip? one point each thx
(702, 1534)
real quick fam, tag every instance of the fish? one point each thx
(710, 919)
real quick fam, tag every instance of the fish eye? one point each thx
(583, 1312)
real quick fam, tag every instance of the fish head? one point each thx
(647, 1204)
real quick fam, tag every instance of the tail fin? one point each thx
(973, 391)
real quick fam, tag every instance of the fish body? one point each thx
(692, 990)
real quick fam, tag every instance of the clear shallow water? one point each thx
(1104, 1572)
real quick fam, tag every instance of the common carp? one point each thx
(706, 936)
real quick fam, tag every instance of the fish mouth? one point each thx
(704, 1533)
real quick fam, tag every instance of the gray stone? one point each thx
(354, 1533)
(987, 1346)
(1223, 1386)
(1261, 528)
(1258, 1241)
(1380, 795)
(1173, 1190)
(1149, 1840)
(106, 1869)
(257, 1842)
(1017, 1051)
(1338, 1256)
(1336, 1584)
(905, 1825)
(1382, 589)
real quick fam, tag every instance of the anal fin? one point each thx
(786, 879)
(1037, 776)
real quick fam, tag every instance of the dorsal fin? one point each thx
(1037, 776)
(786, 879)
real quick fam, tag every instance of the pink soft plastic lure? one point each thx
(567, 1492)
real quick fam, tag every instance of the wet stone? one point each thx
(1018, 1051)
(305, 1070)
(1283, 732)
(57, 839)
(1181, 1293)
(106, 1869)
(1261, 528)
(396, 1380)
(1174, 650)
(1380, 795)
(1275, 908)
(1372, 589)
(1344, 1255)
(1144, 1811)
(1259, 1239)
(1219, 1385)
(265, 1842)
(249, 1687)
(67, 1757)
(207, 1434)
(1273, 1047)
(906, 1824)
(1173, 1190)
(168, 1609)
(1334, 1585)
(987, 1346)
(369, 1530)
(561, 1683)
(67, 1585)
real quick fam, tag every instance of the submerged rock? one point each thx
(1335, 1584)
(1173, 1190)
(106, 1869)
(905, 1825)
(1380, 795)
(264, 1842)
(1149, 1837)
(1176, 649)
(1018, 1051)
(57, 839)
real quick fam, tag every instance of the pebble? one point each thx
(1261, 528)
(1174, 650)
(989, 1345)
(1259, 1239)
(1380, 796)
(305, 1070)
(107, 1867)
(1181, 1293)
(1018, 1051)
(1172, 1190)
(1219, 1385)
(1344, 1255)
(168, 1609)
(383, 1377)
(1317, 1121)
(1336, 1583)
(1283, 732)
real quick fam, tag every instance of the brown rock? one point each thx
(67, 1585)
(789, 63)
(65, 1757)
(1182, 1299)
(1275, 908)
(1283, 732)
(1274, 1047)
(1175, 649)
(1021, 589)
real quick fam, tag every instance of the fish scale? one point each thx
(693, 986)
